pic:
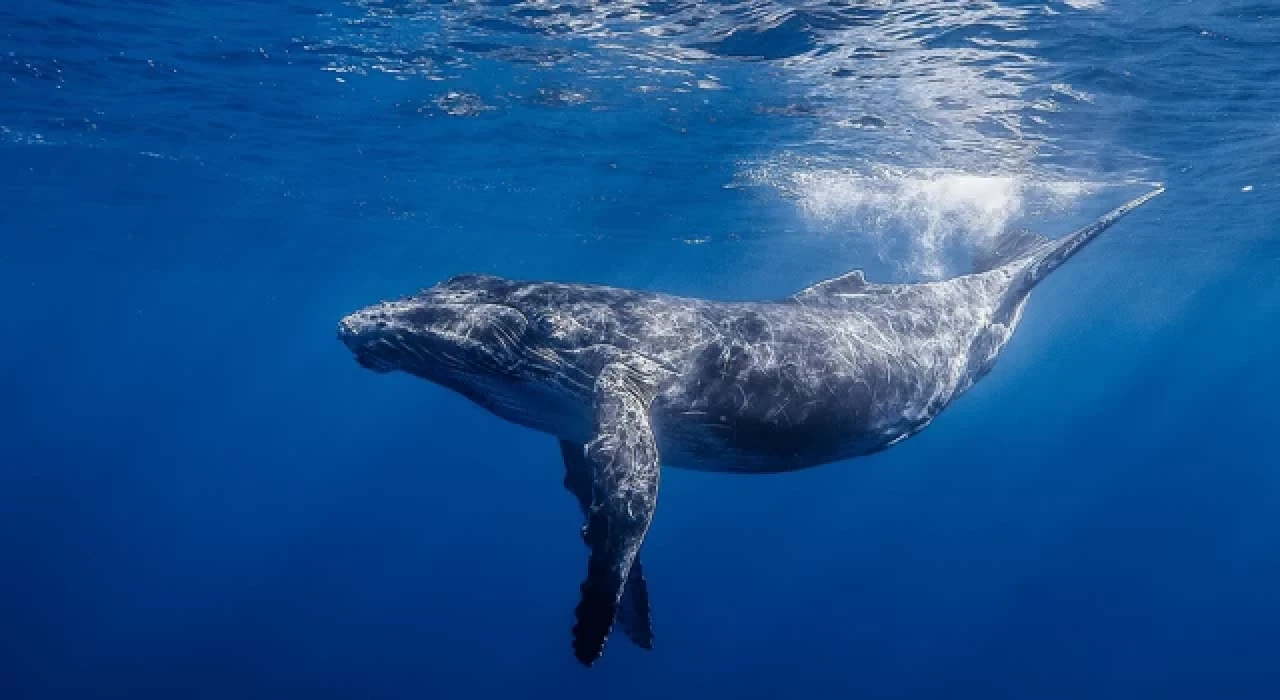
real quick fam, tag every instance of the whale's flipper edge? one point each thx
(633, 611)
(623, 456)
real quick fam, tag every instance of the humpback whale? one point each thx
(629, 381)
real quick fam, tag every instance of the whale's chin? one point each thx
(372, 362)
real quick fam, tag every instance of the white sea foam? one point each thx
(918, 216)
(962, 152)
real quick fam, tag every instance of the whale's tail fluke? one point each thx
(1050, 256)
(1009, 247)
(1047, 255)
(1036, 256)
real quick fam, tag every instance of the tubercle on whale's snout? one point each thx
(351, 324)
(359, 333)
(437, 340)
(346, 330)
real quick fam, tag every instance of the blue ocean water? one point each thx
(203, 496)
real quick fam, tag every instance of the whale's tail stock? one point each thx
(1046, 255)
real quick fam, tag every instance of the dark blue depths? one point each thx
(202, 496)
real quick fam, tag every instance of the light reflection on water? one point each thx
(922, 126)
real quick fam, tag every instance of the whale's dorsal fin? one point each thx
(623, 460)
(1006, 248)
(849, 283)
(633, 610)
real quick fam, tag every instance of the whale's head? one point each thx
(458, 333)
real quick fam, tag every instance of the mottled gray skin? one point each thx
(741, 387)
(628, 380)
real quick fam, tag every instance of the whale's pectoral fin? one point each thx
(623, 458)
(633, 610)
(577, 473)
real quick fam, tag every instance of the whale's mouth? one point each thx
(369, 360)
(364, 335)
